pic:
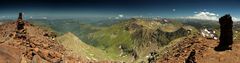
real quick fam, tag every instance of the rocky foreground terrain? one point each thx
(196, 49)
(33, 45)
(199, 50)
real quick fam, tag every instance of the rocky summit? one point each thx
(33, 44)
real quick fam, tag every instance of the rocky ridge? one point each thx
(33, 45)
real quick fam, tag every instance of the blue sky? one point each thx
(105, 8)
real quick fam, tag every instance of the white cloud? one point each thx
(44, 17)
(116, 17)
(3, 16)
(120, 15)
(173, 10)
(235, 19)
(204, 16)
(30, 17)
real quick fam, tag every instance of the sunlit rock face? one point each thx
(226, 36)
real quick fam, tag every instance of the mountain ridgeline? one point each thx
(124, 40)
(137, 36)
(142, 36)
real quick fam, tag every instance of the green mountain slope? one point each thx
(78, 48)
(137, 36)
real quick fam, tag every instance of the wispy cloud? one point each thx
(204, 15)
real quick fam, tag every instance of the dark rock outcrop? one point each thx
(226, 36)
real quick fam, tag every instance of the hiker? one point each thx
(191, 58)
(134, 55)
(226, 36)
(121, 49)
(152, 57)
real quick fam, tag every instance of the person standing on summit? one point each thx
(226, 36)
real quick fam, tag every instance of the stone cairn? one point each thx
(20, 33)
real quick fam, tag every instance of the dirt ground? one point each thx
(200, 50)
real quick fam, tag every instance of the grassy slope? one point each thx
(109, 39)
(80, 49)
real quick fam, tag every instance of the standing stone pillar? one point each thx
(226, 36)
(20, 17)
(20, 23)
